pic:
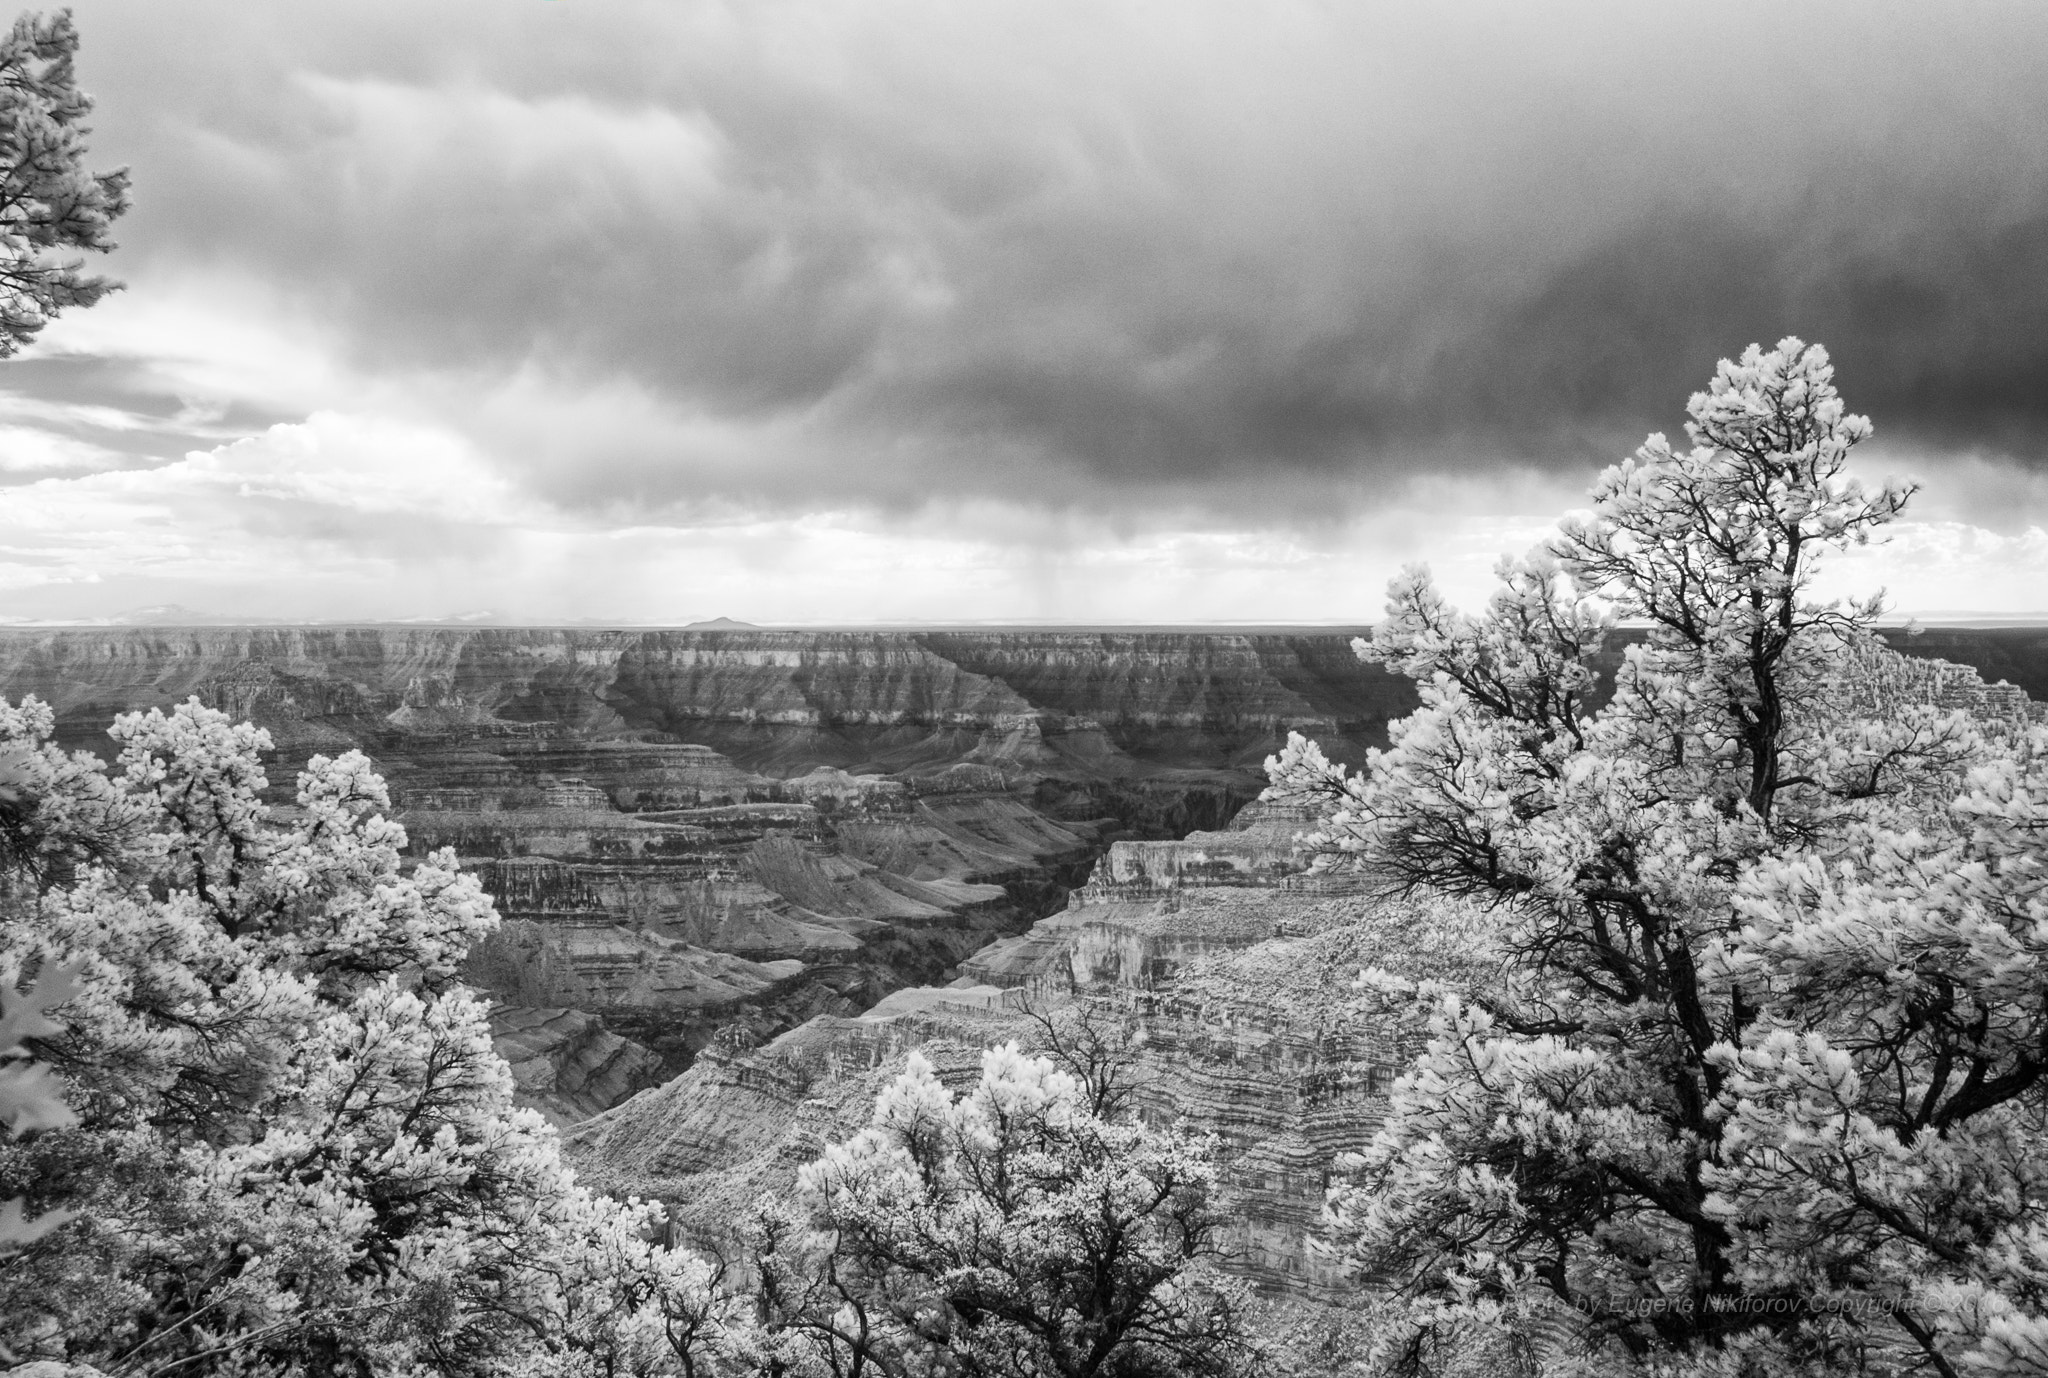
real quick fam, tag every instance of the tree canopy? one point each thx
(1012, 1232)
(50, 205)
(1756, 1078)
(290, 1147)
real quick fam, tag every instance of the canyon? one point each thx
(743, 872)
(689, 832)
(1217, 964)
(1220, 965)
(709, 842)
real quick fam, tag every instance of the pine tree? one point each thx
(290, 1147)
(49, 203)
(1759, 1080)
(1012, 1232)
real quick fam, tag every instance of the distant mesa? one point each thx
(721, 624)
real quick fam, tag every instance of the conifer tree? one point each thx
(289, 1146)
(1758, 1083)
(50, 205)
(1012, 1232)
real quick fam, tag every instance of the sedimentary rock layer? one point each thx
(1222, 961)
(841, 689)
(696, 830)
(692, 830)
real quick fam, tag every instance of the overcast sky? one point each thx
(886, 310)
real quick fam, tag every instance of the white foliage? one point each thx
(1762, 1080)
(1010, 1231)
(295, 1146)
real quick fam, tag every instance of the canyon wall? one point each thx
(777, 703)
(690, 830)
(1221, 960)
(696, 831)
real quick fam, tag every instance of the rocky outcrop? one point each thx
(2018, 655)
(1875, 682)
(567, 1064)
(1149, 908)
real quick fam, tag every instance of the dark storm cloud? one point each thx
(1066, 251)
(120, 405)
(1938, 337)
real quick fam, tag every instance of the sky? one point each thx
(1075, 311)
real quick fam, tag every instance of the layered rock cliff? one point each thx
(690, 830)
(1223, 962)
(779, 703)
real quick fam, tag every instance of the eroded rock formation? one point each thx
(741, 830)
(1222, 959)
(692, 830)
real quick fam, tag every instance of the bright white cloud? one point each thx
(347, 465)
(362, 517)
(213, 337)
(32, 450)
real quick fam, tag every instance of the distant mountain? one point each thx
(721, 624)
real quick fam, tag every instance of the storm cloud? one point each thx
(1256, 263)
